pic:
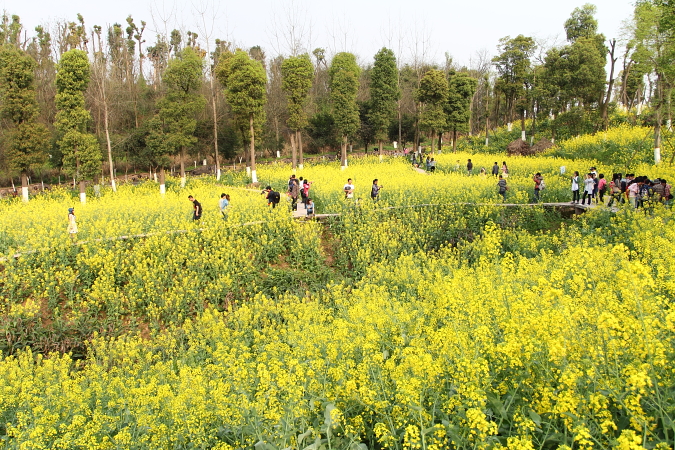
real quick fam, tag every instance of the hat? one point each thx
(70, 210)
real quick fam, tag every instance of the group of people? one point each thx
(197, 210)
(349, 188)
(297, 187)
(636, 191)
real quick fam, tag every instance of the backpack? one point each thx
(274, 197)
(542, 185)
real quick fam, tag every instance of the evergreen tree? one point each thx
(173, 127)
(433, 94)
(245, 84)
(297, 74)
(461, 88)
(384, 93)
(513, 65)
(81, 150)
(344, 86)
(26, 139)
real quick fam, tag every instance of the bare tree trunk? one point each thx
(162, 179)
(381, 142)
(454, 140)
(657, 124)
(24, 186)
(440, 142)
(301, 164)
(610, 85)
(183, 178)
(254, 177)
(83, 192)
(107, 140)
(400, 125)
(215, 129)
(343, 155)
(294, 152)
(522, 125)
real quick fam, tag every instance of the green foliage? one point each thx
(297, 73)
(582, 23)
(245, 81)
(81, 152)
(461, 88)
(26, 140)
(513, 66)
(344, 85)
(173, 127)
(384, 92)
(322, 131)
(433, 93)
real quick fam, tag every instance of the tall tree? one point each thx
(245, 84)
(344, 87)
(461, 88)
(174, 125)
(513, 65)
(297, 74)
(27, 140)
(81, 151)
(384, 94)
(655, 48)
(433, 94)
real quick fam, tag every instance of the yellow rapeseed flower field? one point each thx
(431, 319)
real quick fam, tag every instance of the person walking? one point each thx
(602, 188)
(538, 185)
(505, 169)
(469, 167)
(501, 184)
(272, 196)
(575, 187)
(495, 169)
(589, 186)
(72, 224)
(223, 204)
(196, 208)
(304, 191)
(293, 191)
(432, 165)
(375, 190)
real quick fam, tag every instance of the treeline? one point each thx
(89, 102)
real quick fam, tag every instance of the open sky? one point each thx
(426, 28)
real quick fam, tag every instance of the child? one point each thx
(310, 207)
(72, 224)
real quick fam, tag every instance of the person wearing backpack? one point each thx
(272, 196)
